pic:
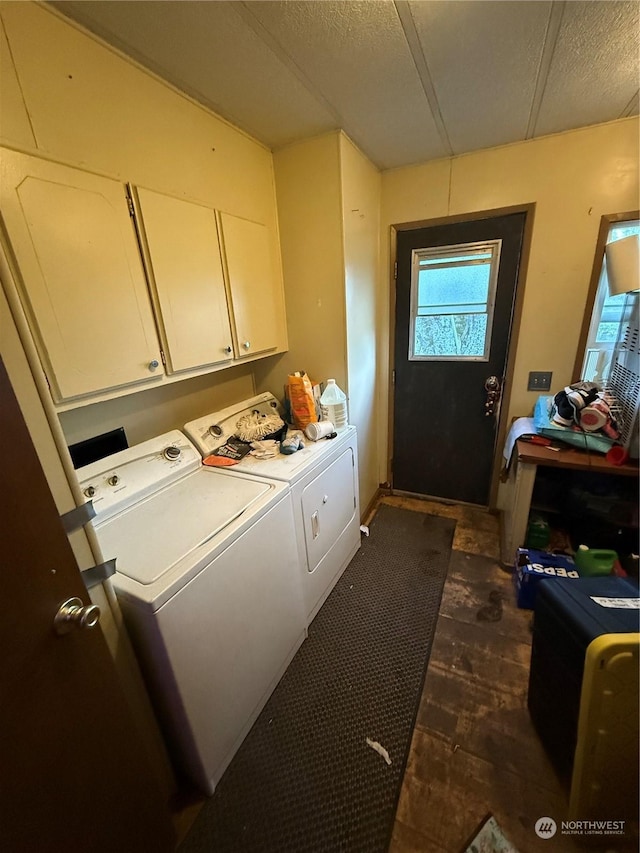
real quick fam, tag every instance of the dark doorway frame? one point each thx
(529, 210)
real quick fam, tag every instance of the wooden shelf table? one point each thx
(527, 459)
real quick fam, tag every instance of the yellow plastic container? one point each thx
(605, 768)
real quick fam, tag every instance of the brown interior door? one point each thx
(455, 291)
(74, 774)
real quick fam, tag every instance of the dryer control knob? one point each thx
(114, 480)
(172, 452)
(90, 491)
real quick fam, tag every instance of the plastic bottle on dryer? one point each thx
(333, 403)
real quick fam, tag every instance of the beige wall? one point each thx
(361, 226)
(159, 410)
(308, 191)
(573, 178)
(68, 97)
(91, 108)
(329, 212)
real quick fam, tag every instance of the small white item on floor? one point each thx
(364, 529)
(379, 749)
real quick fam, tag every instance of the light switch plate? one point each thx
(539, 380)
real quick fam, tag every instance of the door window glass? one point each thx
(452, 299)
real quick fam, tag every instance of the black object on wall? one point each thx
(97, 447)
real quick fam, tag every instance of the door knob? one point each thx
(74, 614)
(492, 387)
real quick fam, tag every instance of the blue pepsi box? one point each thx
(533, 566)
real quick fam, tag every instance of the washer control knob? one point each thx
(172, 452)
(90, 491)
(113, 480)
(216, 429)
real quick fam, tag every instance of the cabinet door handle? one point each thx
(315, 525)
(153, 365)
(227, 350)
(246, 344)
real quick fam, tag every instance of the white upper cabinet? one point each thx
(81, 274)
(254, 286)
(182, 256)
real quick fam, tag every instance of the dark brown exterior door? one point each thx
(74, 774)
(444, 443)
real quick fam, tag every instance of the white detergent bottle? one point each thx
(333, 403)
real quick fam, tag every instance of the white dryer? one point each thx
(323, 477)
(208, 581)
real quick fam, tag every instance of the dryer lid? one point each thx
(151, 537)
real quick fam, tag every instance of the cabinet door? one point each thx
(81, 274)
(255, 288)
(185, 271)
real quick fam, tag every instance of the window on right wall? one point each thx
(609, 315)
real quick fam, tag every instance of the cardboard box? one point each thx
(533, 566)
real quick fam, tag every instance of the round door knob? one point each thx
(72, 613)
(492, 383)
(227, 350)
(113, 480)
(90, 491)
(246, 344)
(154, 365)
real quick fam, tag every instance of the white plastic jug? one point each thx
(333, 404)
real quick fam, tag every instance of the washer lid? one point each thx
(149, 538)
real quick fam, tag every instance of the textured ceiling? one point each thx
(408, 81)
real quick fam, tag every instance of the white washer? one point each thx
(324, 484)
(208, 581)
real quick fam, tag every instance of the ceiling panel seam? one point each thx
(550, 38)
(241, 9)
(422, 67)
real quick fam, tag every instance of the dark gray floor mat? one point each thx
(305, 779)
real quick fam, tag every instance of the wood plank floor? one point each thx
(474, 750)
